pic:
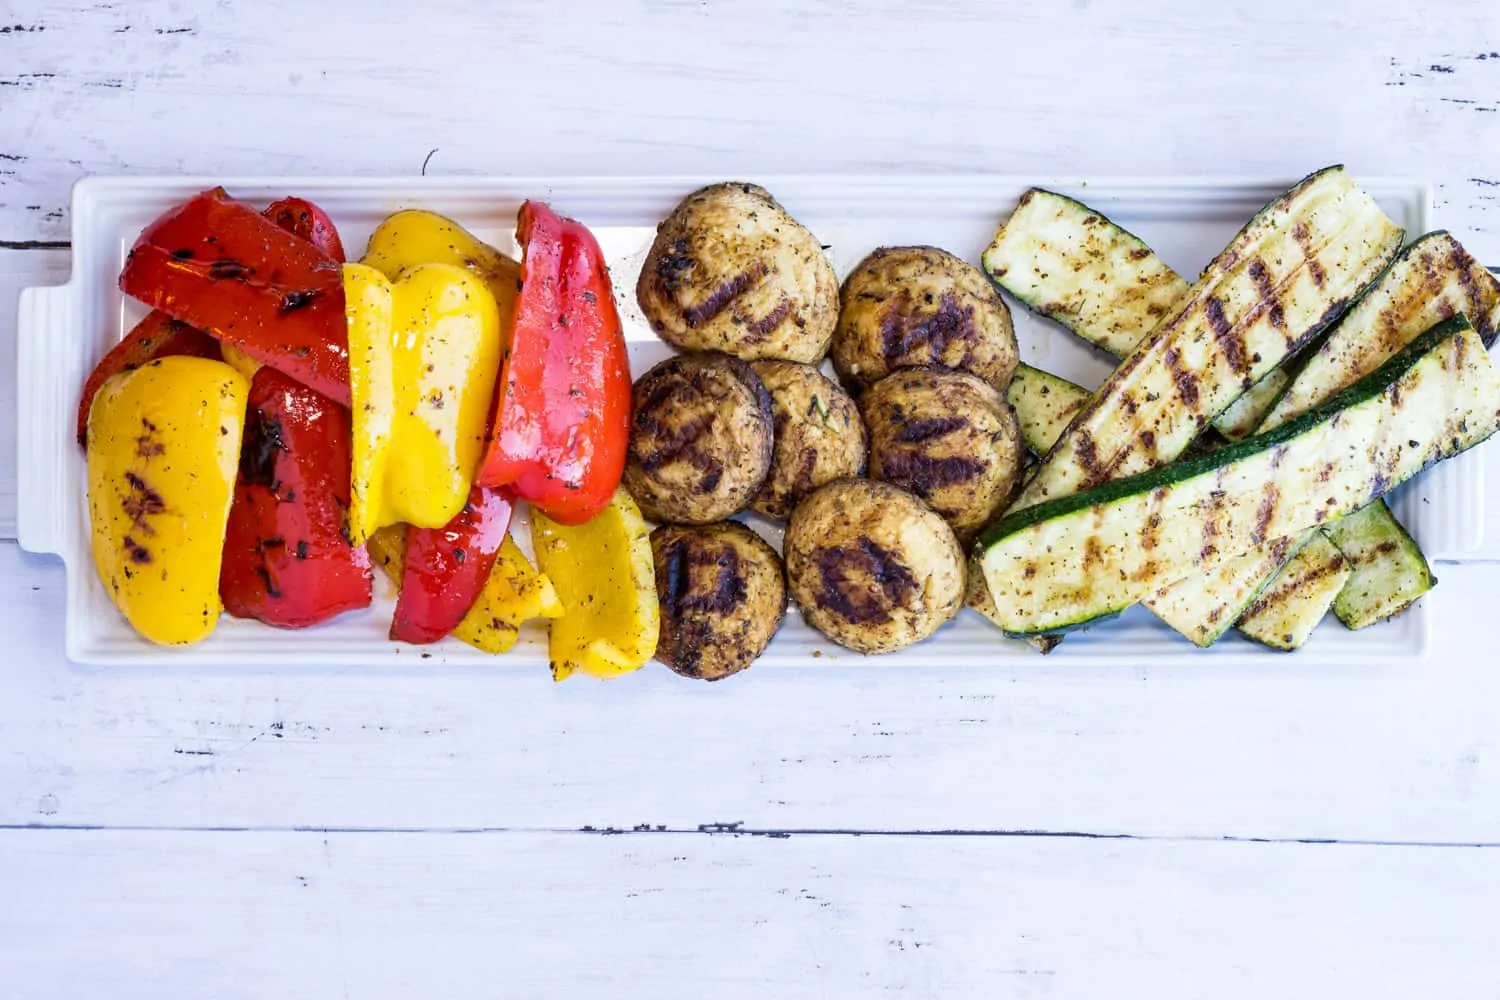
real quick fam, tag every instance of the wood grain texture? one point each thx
(365, 916)
(1288, 749)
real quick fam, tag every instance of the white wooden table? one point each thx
(1049, 831)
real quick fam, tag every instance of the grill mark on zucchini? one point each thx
(1262, 279)
(1304, 240)
(1425, 365)
(1267, 510)
(1344, 208)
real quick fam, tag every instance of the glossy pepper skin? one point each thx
(157, 335)
(307, 221)
(444, 569)
(163, 448)
(224, 268)
(288, 559)
(606, 580)
(562, 417)
(412, 237)
(514, 594)
(425, 348)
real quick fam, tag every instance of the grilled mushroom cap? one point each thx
(948, 437)
(731, 271)
(871, 566)
(723, 596)
(820, 436)
(700, 439)
(910, 306)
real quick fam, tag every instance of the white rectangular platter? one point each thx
(64, 330)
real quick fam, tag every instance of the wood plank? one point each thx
(1289, 749)
(379, 915)
(785, 86)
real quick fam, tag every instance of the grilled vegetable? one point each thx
(1285, 613)
(910, 307)
(701, 439)
(288, 558)
(163, 446)
(1045, 404)
(819, 435)
(604, 576)
(1217, 597)
(1289, 273)
(1387, 571)
(871, 566)
(515, 592)
(413, 237)
(1075, 559)
(723, 596)
(307, 221)
(731, 271)
(157, 335)
(562, 415)
(1202, 607)
(1244, 415)
(1071, 264)
(948, 437)
(424, 351)
(1432, 278)
(446, 568)
(224, 268)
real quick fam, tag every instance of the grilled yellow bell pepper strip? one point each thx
(413, 237)
(603, 572)
(163, 449)
(424, 351)
(239, 361)
(513, 593)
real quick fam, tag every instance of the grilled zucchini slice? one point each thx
(1432, 278)
(1072, 560)
(1045, 404)
(1065, 261)
(1387, 572)
(1062, 259)
(1286, 612)
(1287, 275)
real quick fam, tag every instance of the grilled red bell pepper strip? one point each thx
(562, 411)
(288, 558)
(307, 221)
(159, 336)
(155, 336)
(219, 265)
(446, 568)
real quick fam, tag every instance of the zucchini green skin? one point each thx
(1288, 275)
(1045, 404)
(1285, 613)
(1201, 608)
(1430, 279)
(1065, 563)
(1067, 262)
(1387, 572)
